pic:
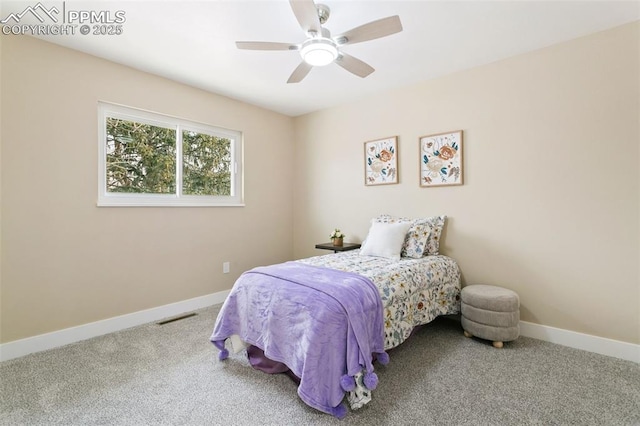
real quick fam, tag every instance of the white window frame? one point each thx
(115, 199)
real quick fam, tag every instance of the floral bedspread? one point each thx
(413, 292)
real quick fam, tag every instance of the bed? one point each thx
(329, 319)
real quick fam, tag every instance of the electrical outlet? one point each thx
(225, 268)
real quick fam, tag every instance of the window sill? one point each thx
(119, 202)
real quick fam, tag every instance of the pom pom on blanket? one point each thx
(224, 354)
(371, 380)
(339, 411)
(383, 358)
(348, 383)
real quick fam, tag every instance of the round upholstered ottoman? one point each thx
(491, 313)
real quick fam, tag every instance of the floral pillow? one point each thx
(436, 223)
(415, 243)
(423, 237)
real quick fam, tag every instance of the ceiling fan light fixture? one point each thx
(319, 51)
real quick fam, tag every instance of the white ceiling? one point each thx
(194, 42)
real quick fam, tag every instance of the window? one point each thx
(149, 159)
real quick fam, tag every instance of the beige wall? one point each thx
(66, 262)
(550, 204)
(1, 38)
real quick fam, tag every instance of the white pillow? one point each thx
(385, 240)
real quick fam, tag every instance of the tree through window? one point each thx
(206, 164)
(141, 158)
(151, 159)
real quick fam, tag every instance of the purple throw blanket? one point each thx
(325, 325)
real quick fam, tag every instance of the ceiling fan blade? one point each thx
(354, 65)
(300, 72)
(306, 14)
(375, 29)
(265, 45)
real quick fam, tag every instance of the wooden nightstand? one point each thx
(343, 247)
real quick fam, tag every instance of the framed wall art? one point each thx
(441, 159)
(381, 161)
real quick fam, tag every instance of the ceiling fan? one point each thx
(320, 49)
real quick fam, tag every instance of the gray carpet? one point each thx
(170, 375)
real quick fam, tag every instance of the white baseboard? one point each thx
(59, 338)
(587, 342)
(18, 348)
